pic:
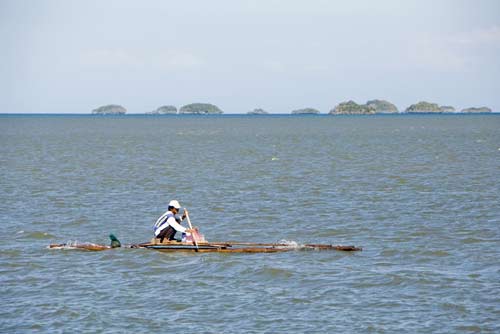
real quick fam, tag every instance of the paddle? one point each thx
(191, 227)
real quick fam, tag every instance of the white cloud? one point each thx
(169, 60)
(487, 36)
(108, 57)
(174, 60)
(274, 66)
(435, 54)
(453, 52)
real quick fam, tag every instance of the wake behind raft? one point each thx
(198, 244)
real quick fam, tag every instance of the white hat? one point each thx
(175, 204)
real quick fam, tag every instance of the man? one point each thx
(166, 226)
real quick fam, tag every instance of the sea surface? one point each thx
(419, 193)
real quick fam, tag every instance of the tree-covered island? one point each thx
(305, 111)
(423, 107)
(258, 111)
(110, 109)
(352, 108)
(164, 110)
(475, 110)
(200, 108)
(382, 106)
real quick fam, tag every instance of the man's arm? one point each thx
(178, 227)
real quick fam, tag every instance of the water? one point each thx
(420, 193)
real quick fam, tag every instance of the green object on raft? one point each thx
(115, 243)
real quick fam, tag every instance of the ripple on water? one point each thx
(35, 235)
(472, 240)
(421, 200)
(435, 253)
(272, 273)
(470, 329)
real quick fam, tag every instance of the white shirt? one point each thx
(166, 220)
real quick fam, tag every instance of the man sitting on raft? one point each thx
(166, 226)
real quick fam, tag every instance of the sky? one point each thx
(71, 56)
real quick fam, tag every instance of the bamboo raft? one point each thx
(220, 247)
(197, 243)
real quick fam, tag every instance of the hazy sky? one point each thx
(73, 56)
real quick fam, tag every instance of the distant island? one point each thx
(200, 108)
(426, 107)
(258, 111)
(305, 111)
(352, 108)
(382, 106)
(447, 109)
(473, 110)
(423, 107)
(110, 109)
(164, 110)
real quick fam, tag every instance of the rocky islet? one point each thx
(350, 107)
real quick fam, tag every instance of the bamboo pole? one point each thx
(316, 246)
(191, 227)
